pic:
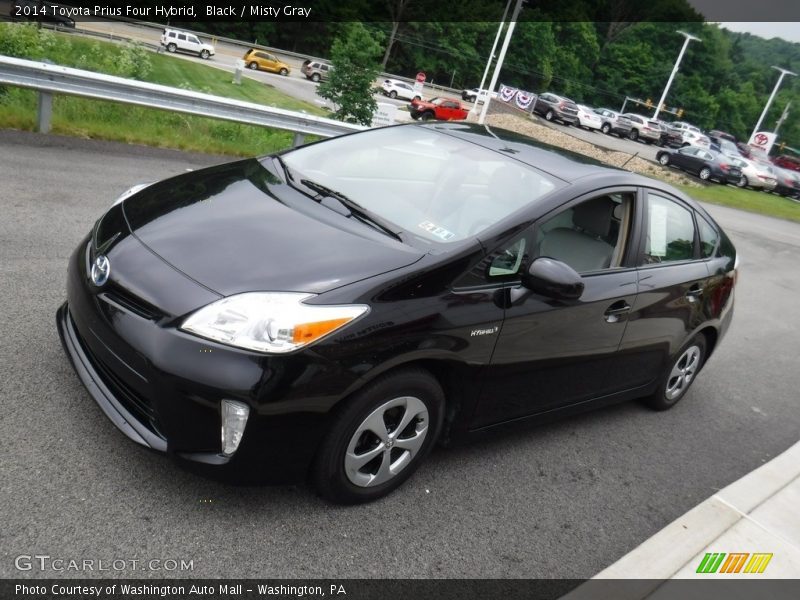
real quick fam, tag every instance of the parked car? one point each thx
(556, 108)
(706, 164)
(587, 118)
(755, 174)
(663, 137)
(647, 130)
(724, 145)
(685, 134)
(315, 70)
(265, 61)
(787, 183)
(181, 41)
(440, 109)
(399, 89)
(433, 319)
(785, 161)
(614, 122)
(476, 94)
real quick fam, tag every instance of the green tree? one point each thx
(355, 56)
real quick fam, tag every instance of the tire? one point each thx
(549, 115)
(606, 128)
(664, 159)
(315, 78)
(283, 72)
(362, 458)
(679, 376)
(427, 116)
(171, 48)
(705, 174)
(205, 54)
(253, 66)
(634, 135)
(392, 94)
(743, 182)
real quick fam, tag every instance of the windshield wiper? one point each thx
(354, 207)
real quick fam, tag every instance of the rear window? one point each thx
(434, 186)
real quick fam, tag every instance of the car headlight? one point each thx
(130, 192)
(273, 322)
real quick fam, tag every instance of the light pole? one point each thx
(771, 97)
(500, 60)
(474, 108)
(689, 37)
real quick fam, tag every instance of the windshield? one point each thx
(434, 186)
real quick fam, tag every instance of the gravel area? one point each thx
(527, 126)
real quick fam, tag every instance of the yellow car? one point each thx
(259, 59)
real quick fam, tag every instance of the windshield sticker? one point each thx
(437, 231)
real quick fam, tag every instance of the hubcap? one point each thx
(683, 372)
(386, 441)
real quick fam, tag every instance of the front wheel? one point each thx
(664, 159)
(380, 438)
(284, 71)
(204, 54)
(633, 135)
(549, 115)
(680, 375)
(705, 173)
(743, 182)
(606, 128)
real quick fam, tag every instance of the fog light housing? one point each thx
(234, 419)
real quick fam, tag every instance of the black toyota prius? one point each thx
(331, 312)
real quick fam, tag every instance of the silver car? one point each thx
(614, 122)
(755, 174)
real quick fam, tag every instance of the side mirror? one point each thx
(551, 278)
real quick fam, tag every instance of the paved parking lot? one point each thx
(563, 500)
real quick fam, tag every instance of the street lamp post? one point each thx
(474, 108)
(689, 38)
(784, 72)
(500, 59)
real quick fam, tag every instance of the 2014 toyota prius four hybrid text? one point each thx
(331, 312)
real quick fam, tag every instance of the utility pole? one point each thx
(783, 117)
(689, 38)
(500, 59)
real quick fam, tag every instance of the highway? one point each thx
(558, 501)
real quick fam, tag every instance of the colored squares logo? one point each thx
(734, 562)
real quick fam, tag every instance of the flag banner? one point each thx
(507, 93)
(524, 99)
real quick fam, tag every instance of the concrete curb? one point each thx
(673, 552)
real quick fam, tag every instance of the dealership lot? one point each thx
(563, 500)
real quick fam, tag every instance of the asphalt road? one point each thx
(563, 500)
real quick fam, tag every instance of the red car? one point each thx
(441, 109)
(785, 161)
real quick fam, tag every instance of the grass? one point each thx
(131, 124)
(757, 202)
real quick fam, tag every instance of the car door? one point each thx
(554, 353)
(268, 61)
(672, 277)
(685, 158)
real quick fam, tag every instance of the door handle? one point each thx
(694, 293)
(616, 310)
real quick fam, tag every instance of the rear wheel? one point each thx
(680, 375)
(253, 65)
(427, 116)
(664, 159)
(380, 438)
(743, 182)
(171, 48)
(392, 94)
(315, 77)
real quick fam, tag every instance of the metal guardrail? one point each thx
(51, 79)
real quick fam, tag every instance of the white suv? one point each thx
(174, 40)
(399, 89)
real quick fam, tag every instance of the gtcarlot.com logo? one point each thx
(45, 562)
(734, 562)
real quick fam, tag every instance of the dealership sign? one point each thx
(762, 141)
(384, 115)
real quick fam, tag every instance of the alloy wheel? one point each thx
(683, 372)
(386, 442)
(705, 173)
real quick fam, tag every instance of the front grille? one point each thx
(131, 303)
(136, 404)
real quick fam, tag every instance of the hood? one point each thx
(226, 228)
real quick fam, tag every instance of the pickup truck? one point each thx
(441, 109)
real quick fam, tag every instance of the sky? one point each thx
(788, 31)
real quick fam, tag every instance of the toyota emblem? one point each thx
(101, 269)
